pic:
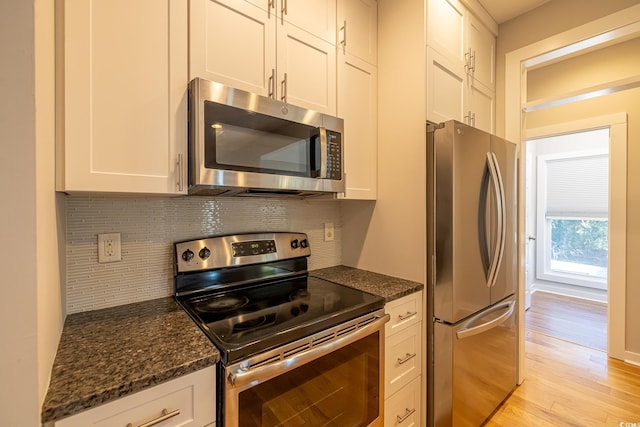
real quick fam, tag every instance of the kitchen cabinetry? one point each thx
(284, 49)
(186, 401)
(358, 95)
(460, 62)
(403, 361)
(122, 122)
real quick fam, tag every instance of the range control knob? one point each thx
(294, 244)
(187, 255)
(304, 243)
(204, 253)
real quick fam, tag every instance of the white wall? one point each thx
(389, 236)
(18, 358)
(30, 308)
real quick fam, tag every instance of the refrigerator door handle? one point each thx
(498, 188)
(467, 332)
(502, 216)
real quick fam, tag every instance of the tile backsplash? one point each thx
(150, 225)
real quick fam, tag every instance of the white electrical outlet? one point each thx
(328, 232)
(109, 248)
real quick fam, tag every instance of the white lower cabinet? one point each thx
(403, 361)
(402, 409)
(186, 401)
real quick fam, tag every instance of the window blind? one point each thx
(577, 187)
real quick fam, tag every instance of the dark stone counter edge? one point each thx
(53, 411)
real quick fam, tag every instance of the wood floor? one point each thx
(569, 384)
(572, 319)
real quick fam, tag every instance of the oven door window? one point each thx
(341, 388)
(241, 140)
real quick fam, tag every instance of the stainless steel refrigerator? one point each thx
(471, 273)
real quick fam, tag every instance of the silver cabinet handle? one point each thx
(165, 416)
(343, 42)
(270, 4)
(283, 10)
(407, 413)
(531, 237)
(283, 89)
(406, 316)
(470, 118)
(180, 173)
(406, 358)
(272, 84)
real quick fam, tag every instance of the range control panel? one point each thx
(239, 249)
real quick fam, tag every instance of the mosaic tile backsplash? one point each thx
(149, 226)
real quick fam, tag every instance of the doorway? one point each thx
(567, 191)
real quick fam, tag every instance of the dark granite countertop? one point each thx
(109, 353)
(388, 287)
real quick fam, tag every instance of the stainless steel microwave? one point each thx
(241, 143)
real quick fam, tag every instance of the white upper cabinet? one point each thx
(460, 66)
(122, 125)
(284, 49)
(481, 45)
(232, 42)
(358, 29)
(445, 88)
(446, 29)
(358, 95)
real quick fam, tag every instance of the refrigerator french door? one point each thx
(471, 273)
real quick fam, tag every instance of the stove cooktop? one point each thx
(248, 320)
(251, 292)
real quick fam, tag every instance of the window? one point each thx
(573, 212)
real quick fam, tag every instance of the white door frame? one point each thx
(621, 25)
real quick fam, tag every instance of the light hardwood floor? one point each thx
(572, 319)
(571, 385)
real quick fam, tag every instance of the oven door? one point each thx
(331, 378)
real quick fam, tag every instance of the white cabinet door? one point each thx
(403, 408)
(248, 47)
(124, 127)
(446, 29)
(234, 43)
(185, 401)
(403, 357)
(482, 45)
(480, 107)
(317, 17)
(306, 70)
(358, 29)
(357, 105)
(445, 88)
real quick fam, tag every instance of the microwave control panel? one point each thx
(334, 155)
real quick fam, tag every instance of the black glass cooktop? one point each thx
(248, 320)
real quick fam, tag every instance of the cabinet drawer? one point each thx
(403, 408)
(191, 398)
(404, 312)
(403, 358)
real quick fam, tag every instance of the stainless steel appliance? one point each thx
(241, 143)
(471, 284)
(295, 349)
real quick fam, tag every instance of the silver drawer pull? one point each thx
(165, 416)
(407, 413)
(406, 316)
(406, 358)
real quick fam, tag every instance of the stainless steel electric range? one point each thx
(295, 349)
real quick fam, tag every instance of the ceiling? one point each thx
(503, 10)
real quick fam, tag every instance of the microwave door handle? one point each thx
(323, 153)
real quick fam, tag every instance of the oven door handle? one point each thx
(253, 376)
